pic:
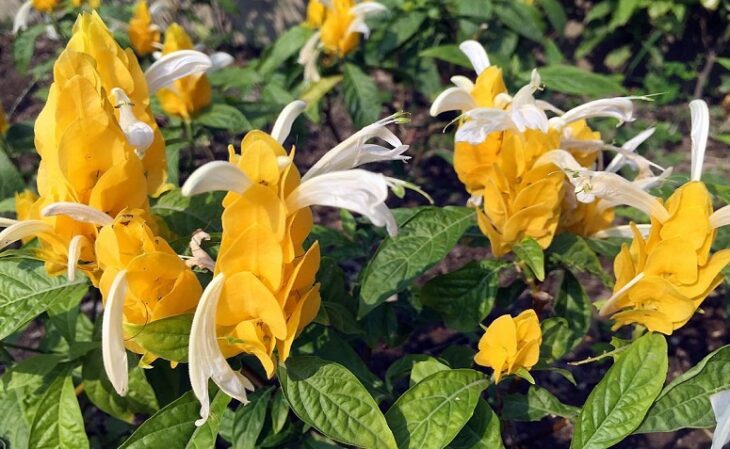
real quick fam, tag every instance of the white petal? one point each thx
(356, 190)
(561, 159)
(484, 121)
(620, 108)
(21, 230)
(113, 352)
(359, 26)
(308, 56)
(20, 22)
(700, 130)
(175, 65)
(138, 133)
(721, 407)
(631, 145)
(51, 33)
(74, 252)
(453, 99)
(216, 175)
(204, 355)
(546, 106)
(221, 59)
(721, 217)
(367, 9)
(463, 82)
(477, 55)
(607, 307)
(617, 189)
(6, 222)
(529, 116)
(79, 212)
(283, 124)
(623, 231)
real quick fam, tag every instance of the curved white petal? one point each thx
(283, 124)
(453, 99)
(51, 33)
(484, 121)
(359, 26)
(175, 65)
(463, 82)
(6, 222)
(221, 59)
(700, 130)
(546, 106)
(721, 408)
(20, 22)
(113, 352)
(308, 56)
(79, 212)
(216, 175)
(614, 188)
(622, 231)
(356, 190)
(561, 159)
(22, 229)
(620, 108)
(529, 116)
(204, 355)
(367, 9)
(477, 55)
(608, 306)
(138, 133)
(354, 151)
(74, 252)
(631, 145)
(721, 217)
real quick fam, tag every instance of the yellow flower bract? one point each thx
(143, 34)
(510, 344)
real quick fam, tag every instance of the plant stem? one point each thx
(600, 357)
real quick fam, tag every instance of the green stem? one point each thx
(600, 357)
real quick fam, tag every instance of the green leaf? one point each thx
(249, 420)
(174, 425)
(185, 215)
(166, 338)
(576, 254)
(361, 96)
(618, 404)
(576, 81)
(223, 116)
(10, 179)
(24, 46)
(685, 403)
(401, 367)
(530, 253)
(556, 339)
(523, 19)
(329, 398)
(140, 397)
(400, 30)
(422, 370)
(430, 414)
(464, 297)
(58, 423)
(279, 411)
(447, 53)
(421, 243)
(241, 78)
(535, 405)
(27, 291)
(575, 306)
(481, 431)
(286, 46)
(623, 12)
(316, 91)
(555, 14)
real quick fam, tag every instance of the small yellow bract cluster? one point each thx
(143, 33)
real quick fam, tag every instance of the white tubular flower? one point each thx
(22, 16)
(354, 151)
(720, 217)
(525, 112)
(283, 124)
(205, 358)
(484, 121)
(113, 352)
(308, 56)
(453, 99)
(630, 146)
(721, 408)
(700, 130)
(200, 258)
(5, 222)
(74, 252)
(608, 307)
(138, 133)
(356, 190)
(476, 54)
(79, 212)
(176, 65)
(622, 231)
(22, 229)
(620, 108)
(216, 175)
(220, 59)
(463, 82)
(362, 11)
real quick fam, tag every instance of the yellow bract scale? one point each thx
(336, 36)
(187, 95)
(143, 34)
(316, 12)
(269, 293)
(675, 261)
(4, 125)
(44, 5)
(510, 344)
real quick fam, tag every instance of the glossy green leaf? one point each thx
(26, 291)
(185, 215)
(223, 116)
(618, 404)
(482, 431)
(685, 403)
(421, 243)
(556, 338)
(329, 398)
(279, 411)
(573, 304)
(574, 253)
(286, 46)
(316, 91)
(430, 414)
(464, 297)
(447, 53)
(24, 46)
(622, 12)
(576, 81)
(425, 368)
(523, 19)
(58, 423)
(361, 96)
(531, 254)
(167, 338)
(555, 14)
(10, 179)
(174, 425)
(249, 420)
(140, 397)
(535, 405)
